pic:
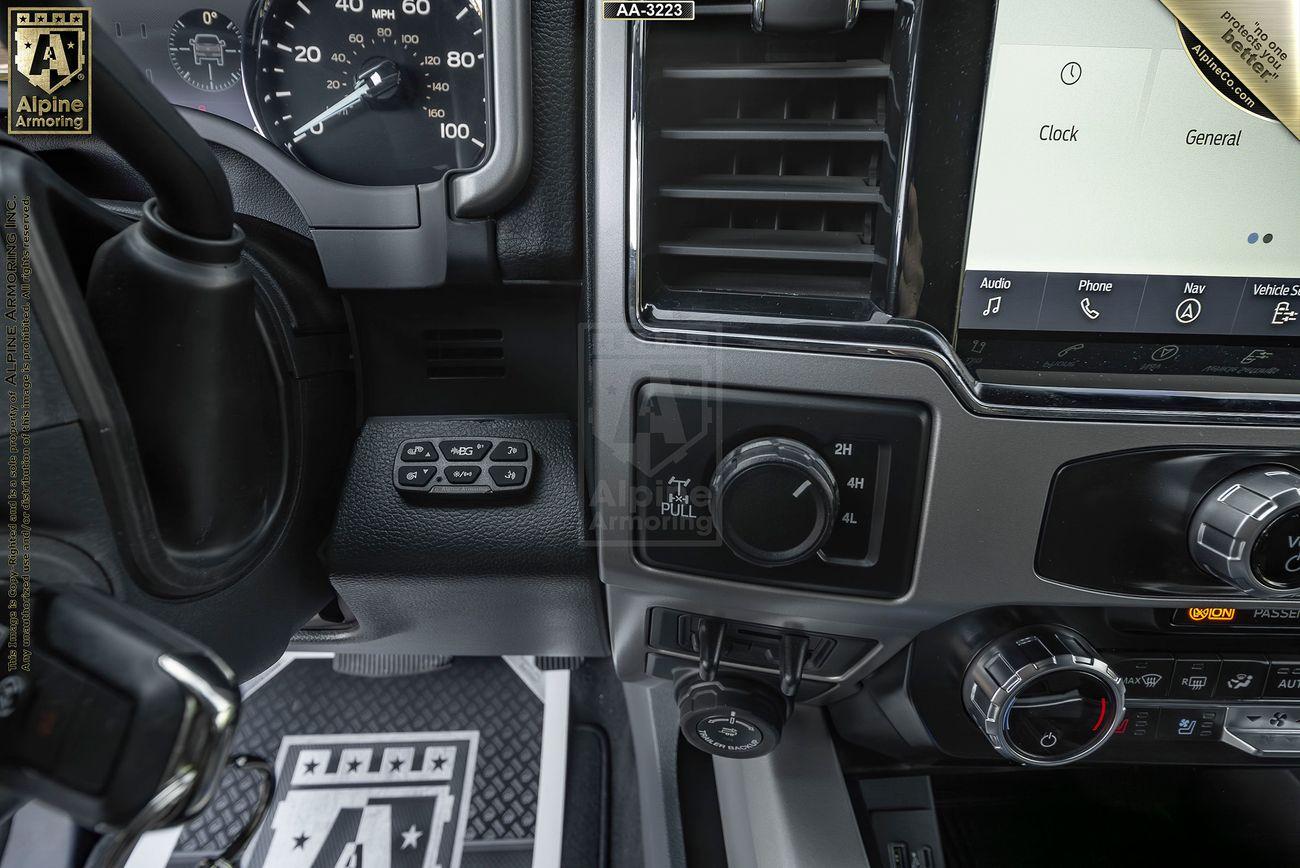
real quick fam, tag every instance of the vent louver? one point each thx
(766, 169)
(464, 353)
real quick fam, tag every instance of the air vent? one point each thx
(464, 353)
(767, 174)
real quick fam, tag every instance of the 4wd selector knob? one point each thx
(1043, 697)
(774, 501)
(1247, 531)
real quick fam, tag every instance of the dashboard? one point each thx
(868, 314)
(899, 338)
(367, 92)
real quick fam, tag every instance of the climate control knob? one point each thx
(1247, 531)
(774, 501)
(1043, 697)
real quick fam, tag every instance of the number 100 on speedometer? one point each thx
(376, 92)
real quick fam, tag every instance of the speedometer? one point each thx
(373, 91)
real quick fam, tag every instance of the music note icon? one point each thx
(994, 305)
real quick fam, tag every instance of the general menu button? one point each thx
(1091, 302)
(1269, 307)
(1001, 299)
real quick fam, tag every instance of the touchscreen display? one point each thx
(1119, 190)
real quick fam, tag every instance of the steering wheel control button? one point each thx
(1247, 531)
(463, 467)
(463, 475)
(1042, 696)
(508, 477)
(414, 477)
(510, 450)
(1194, 679)
(1241, 679)
(464, 450)
(421, 450)
(1146, 677)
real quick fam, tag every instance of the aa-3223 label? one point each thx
(617, 11)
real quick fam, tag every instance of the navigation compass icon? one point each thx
(1188, 311)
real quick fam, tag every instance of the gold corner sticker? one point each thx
(49, 70)
(1252, 48)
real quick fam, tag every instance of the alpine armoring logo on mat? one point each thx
(396, 800)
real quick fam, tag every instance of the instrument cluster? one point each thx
(368, 92)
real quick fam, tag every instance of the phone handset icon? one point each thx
(1087, 308)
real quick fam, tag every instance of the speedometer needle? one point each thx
(377, 79)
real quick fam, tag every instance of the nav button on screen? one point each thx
(1002, 299)
(1091, 302)
(1191, 305)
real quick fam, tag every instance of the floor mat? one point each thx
(477, 715)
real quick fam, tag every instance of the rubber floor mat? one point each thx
(371, 765)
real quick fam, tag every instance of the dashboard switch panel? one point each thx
(859, 462)
(463, 466)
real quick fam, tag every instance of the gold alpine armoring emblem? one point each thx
(49, 81)
(1249, 49)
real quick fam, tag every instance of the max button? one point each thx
(1145, 677)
